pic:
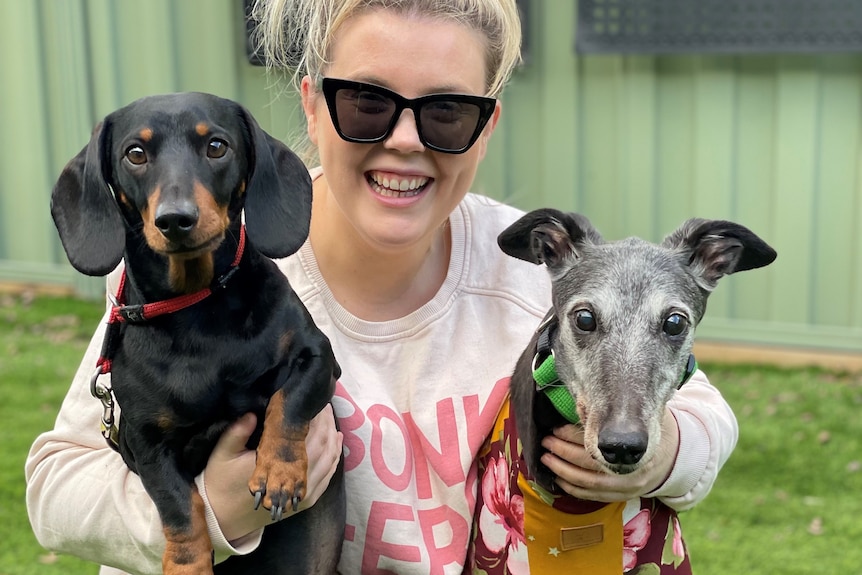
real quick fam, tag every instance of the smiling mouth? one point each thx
(396, 187)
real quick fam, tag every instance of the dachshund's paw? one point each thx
(279, 478)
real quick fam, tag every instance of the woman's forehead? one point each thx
(409, 53)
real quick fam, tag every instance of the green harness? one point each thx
(547, 381)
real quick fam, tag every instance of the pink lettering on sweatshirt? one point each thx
(404, 456)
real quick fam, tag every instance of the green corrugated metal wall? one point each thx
(64, 64)
(637, 143)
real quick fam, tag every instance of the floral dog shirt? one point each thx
(521, 528)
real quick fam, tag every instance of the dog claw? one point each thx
(276, 494)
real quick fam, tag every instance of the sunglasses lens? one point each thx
(366, 113)
(449, 125)
(362, 114)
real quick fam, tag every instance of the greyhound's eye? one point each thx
(136, 155)
(216, 148)
(585, 320)
(675, 324)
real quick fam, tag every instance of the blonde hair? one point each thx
(297, 35)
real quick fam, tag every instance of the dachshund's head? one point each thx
(178, 170)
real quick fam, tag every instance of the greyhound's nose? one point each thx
(622, 448)
(176, 219)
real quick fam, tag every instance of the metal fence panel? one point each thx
(635, 142)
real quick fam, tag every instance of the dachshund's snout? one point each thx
(176, 219)
(621, 447)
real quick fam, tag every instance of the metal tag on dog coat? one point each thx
(580, 537)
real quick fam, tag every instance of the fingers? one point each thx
(231, 464)
(323, 445)
(588, 480)
(232, 443)
(570, 433)
(576, 472)
(592, 494)
(580, 475)
(568, 446)
(226, 480)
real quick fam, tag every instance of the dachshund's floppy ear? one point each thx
(278, 195)
(84, 210)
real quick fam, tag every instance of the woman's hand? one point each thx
(580, 475)
(231, 465)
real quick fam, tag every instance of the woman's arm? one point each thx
(708, 432)
(81, 497)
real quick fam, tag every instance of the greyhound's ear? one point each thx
(548, 236)
(84, 210)
(278, 195)
(715, 248)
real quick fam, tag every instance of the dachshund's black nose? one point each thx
(176, 220)
(622, 448)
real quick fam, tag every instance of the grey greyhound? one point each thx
(615, 346)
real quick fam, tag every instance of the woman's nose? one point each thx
(405, 134)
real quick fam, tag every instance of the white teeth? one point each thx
(394, 187)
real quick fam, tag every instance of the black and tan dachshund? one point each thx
(207, 328)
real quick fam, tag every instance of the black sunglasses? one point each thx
(366, 114)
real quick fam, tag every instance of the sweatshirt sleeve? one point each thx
(708, 432)
(83, 500)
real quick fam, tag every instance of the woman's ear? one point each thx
(489, 129)
(310, 99)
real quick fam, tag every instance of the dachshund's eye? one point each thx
(585, 320)
(216, 148)
(136, 155)
(675, 324)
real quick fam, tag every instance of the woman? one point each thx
(425, 314)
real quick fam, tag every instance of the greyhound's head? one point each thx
(626, 313)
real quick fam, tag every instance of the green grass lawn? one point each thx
(41, 344)
(789, 500)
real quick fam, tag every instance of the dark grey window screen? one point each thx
(255, 57)
(740, 26)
